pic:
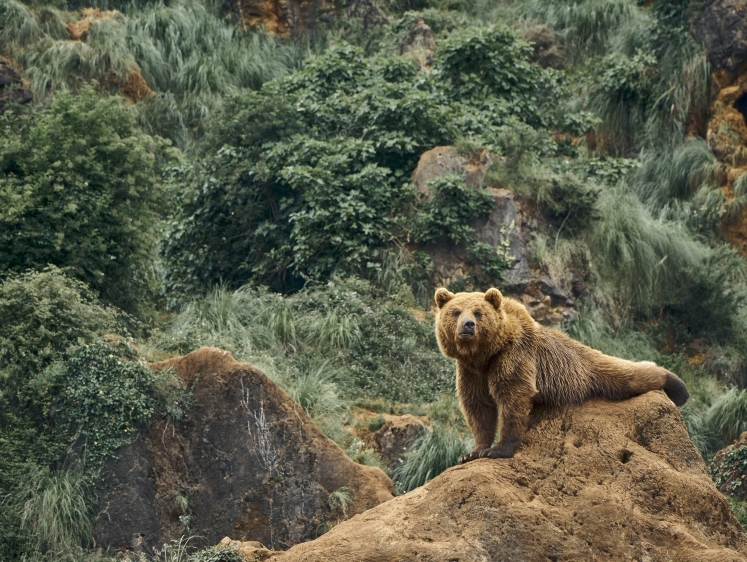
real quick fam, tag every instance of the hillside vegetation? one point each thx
(255, 195)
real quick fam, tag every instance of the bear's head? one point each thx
(470, 325)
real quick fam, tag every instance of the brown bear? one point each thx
(507, 362)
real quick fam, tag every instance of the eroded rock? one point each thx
(601, 481)
(396, 437)
(248, 463)
(12, 90)
(722, 28)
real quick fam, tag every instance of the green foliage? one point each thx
(80, 189)
(728, 414)
(339, 500)
(45, 313)
(674, 173)
(106, 397)
(739, 507)
(308, 177)
(621, 94)
(588, 25)
(433, 452)
(646, 256)
(187, 54)
(215, 554)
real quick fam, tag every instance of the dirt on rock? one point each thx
(602, 481)
(247, 463)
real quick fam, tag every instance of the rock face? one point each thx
(11, 87)
(548, 51)
(282, 17)
(722, 28)
(248, 464)
(602, 481)
(396, 437)
(508, 229)
(503, 226)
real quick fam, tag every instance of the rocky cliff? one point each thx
(248, 462)
(602, 481)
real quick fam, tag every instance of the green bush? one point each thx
(80, 189)
(44, 314)
(309, 176)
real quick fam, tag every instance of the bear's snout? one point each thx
(467, 329)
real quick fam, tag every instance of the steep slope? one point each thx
(248, 463)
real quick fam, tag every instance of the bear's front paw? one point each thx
(472, 456)
(502, 450)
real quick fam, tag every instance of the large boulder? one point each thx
(396, 437)
(601, 481)
(507, 229)
(247, 463)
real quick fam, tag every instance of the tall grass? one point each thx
(644, 255)
(676, 172)
(588, 25)
(433, 452)
(55, 511)
(727, 416)
(188, 55)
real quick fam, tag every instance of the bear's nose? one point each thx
(469, 324)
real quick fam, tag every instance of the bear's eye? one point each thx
(478, 314)
(456, 313)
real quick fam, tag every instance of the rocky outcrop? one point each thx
(547, 47)
(507, 228)
(247, 463)
(282, 17)
(722, 30)
(11, 87)
(602, 481)
(396, 437)
(729, 469)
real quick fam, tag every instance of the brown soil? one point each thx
(602, 481)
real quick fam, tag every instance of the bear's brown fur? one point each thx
(506, 363)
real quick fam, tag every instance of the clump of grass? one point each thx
(340, 501)
(676, 172)
(727, 416)
(54, 508)
(645, 255)
(436, 450)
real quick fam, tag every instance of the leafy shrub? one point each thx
(621, 95)
(79, 188)
(308, 177)
(45, 313)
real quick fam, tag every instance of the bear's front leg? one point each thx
(479, 409)
(514, 404)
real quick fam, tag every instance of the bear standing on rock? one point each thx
(506, 362)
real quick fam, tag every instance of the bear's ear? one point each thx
(443, 296)
(494, 297)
